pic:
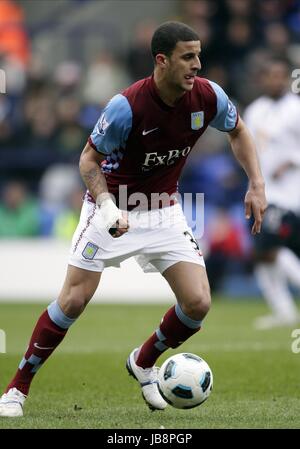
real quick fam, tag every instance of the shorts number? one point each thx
(192, 240)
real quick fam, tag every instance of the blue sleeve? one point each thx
(227, 115)
(113, 127)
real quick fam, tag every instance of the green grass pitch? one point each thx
(85, 385)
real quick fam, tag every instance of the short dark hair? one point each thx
(167, 35)
(272, 60)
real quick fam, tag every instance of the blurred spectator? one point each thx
(14, 41)
(67, 221)
(18, 212)
(218, 73)
(202, 16)
(139, 58)
(273, 120)
(40, 123)
(71, 135)
(56, 187)
(38, 76)
(104, 78)
(238, 42)
(198, 9)
(67, 77)
(293, 17)
(58, 182)
(277, 39)
(270, 10)
(239, 8)
(15, 76)
(226, 247)
(6, 131)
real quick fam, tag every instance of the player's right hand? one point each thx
(111, 218)
(120, 227)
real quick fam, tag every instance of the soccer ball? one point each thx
(185, 380)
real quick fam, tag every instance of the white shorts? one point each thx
(157, 239)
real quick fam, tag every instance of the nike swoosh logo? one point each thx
(42, 347)
(149, 131)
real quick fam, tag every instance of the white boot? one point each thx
(11, 403)
(147, 377)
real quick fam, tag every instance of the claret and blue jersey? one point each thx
(146, 142)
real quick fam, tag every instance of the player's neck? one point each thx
(167, 93)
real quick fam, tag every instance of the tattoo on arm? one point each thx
(90, 176)
(94, 179)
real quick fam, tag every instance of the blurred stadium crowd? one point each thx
(48, 112)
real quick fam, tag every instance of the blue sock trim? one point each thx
(186, 320)
(161, 346)
(22, 363)
(160, 335)
(34, 360)
(58, 317)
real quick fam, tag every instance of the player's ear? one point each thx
(161, 59)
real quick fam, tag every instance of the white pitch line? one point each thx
(257, 346)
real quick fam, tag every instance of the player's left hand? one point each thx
(256, 204)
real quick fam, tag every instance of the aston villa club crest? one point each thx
(90, 251)
(197, 120)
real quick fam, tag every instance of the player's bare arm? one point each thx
(95, 181)
(90, 171)
(245, 152)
